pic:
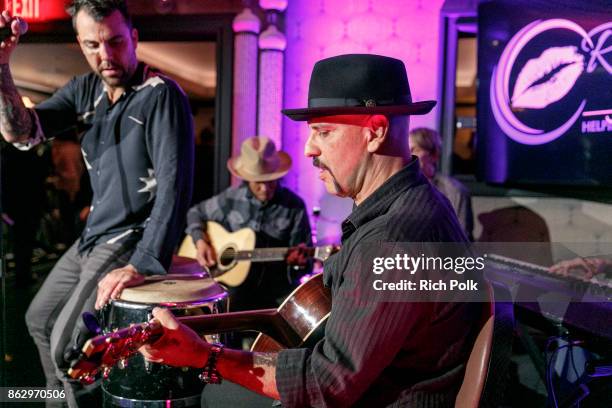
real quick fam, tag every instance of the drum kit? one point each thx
(187, 290)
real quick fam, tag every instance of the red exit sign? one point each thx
(36, 10)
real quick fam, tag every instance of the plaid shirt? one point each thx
(282, 221)
(384, 354)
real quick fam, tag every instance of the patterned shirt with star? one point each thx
(139, 155)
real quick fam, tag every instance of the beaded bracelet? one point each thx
(210, 375)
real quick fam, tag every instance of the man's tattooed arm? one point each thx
(15, 120)
(265, 360)
(255, 371)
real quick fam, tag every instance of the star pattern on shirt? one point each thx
(87, 165)
(150, 184)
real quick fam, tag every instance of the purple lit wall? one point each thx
(407, 30)
(244, 123)
(272, 45)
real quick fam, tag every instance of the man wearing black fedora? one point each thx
(276, 214)
(374, 353)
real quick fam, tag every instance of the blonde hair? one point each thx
(427, 139)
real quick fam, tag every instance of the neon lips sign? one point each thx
(566, 64)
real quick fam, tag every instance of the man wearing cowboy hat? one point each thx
(276, 214)
(374, 353)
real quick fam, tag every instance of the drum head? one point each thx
(174, 291)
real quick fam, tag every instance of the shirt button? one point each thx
(88, 229)
(98, 172)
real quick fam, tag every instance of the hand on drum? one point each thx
(179, 345)
(114, 282)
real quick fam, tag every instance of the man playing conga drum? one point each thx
(137, 144)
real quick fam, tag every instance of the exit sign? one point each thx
(36, 10)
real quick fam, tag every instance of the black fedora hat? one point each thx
(359, 84)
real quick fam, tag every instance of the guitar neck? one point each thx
(267, 254)
(267, 321)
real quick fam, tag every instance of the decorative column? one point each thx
(246, 26)
(272, 44)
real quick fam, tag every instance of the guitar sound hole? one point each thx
(227, 257)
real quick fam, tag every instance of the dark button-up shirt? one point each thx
(377, 353)
(139, 155)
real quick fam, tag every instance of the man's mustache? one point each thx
(317, 163)
(108, 65)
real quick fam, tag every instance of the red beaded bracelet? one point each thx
(210, 375)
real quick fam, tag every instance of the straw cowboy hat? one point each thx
(359, 84)
(259, 161)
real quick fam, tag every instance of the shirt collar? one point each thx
(139, 77)
(251, 197)
(380, 200)
(141, 74)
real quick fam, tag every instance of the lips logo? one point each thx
(545, 79)
(561, 65)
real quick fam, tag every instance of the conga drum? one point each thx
(139, 383)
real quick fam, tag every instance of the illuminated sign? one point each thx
(36, 10)
(549, 78)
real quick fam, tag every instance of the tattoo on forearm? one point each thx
(265, 359)
(15, 120)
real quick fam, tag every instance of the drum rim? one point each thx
(128, 304)
(134, 403)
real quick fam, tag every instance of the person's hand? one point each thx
(589, 267)
(114, 282)
(18, 27)
(179, 345)
(298, 255)
(205, 254)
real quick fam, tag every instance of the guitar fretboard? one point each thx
(265, 254)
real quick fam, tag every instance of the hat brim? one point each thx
(415, 108)
(233, 165)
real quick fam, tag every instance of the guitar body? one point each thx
(306, 311)
(228, 270)
(235, 251)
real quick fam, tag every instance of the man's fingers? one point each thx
(102, 298)
(105, 287)
(166, 318)
(99, 297)
(15, 27)
(150, 354)
(117, 290)
(19, 26)
(210, 258)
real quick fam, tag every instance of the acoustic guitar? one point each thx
(236, 250)
(298, 321)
